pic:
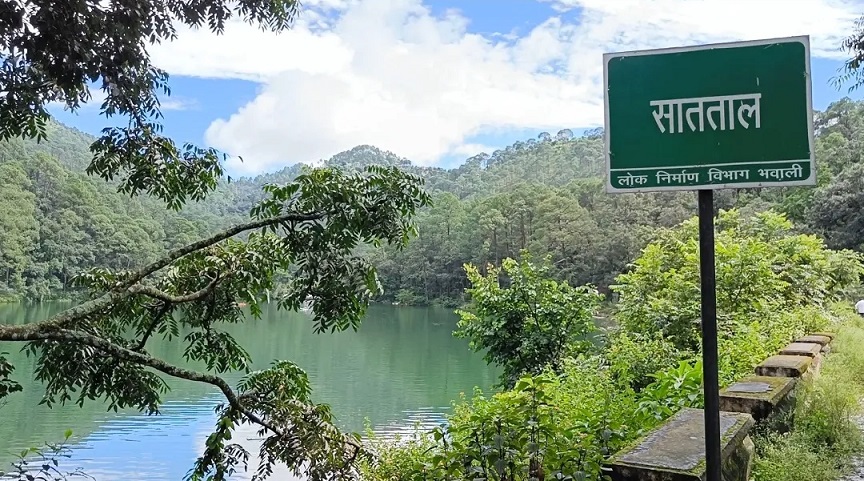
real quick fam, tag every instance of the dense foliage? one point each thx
(564, 425)
(773, 284)
(764, 271)
(61, 230)
(65, 222)
(140, 282)
(544, 196)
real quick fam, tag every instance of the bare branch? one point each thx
(153, 325)
(125, 354)
(168, 298)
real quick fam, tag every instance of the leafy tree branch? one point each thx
(57, 51)
(304, 233)
(128, 285)
(168, 298)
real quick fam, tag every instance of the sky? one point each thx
(438, 81)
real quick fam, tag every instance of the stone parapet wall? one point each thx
(759, 396)
(675, 450)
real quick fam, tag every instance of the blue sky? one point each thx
(437, 81)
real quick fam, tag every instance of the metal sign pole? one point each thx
(709, 335)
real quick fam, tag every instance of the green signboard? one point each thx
(731, 115)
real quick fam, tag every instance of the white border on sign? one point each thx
(803, 39)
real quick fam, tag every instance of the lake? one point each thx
(401, 368)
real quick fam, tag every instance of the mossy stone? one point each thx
(816, 339)
(829, 335)
(809, 349)
(784, 366)
(675, 450)
(758, 396)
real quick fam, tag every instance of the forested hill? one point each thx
(544, 195)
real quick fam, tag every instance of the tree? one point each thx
(19, 226)
(837, 210)
(308, 228)
(854, 45)
(532, 324)
(53, 51)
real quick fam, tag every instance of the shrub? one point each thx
(530, 325)
(787, 457)
(559, 426)
(516, 434)
(671, 391)
(633, 358)
(763, 268)
(394, 459)
(43, 463)
(824, 412)
(748, 341)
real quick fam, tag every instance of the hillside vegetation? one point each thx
(543, 195)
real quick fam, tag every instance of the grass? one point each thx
(824, 438)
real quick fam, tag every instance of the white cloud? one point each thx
(633, 24)
(98, 96)
(391, 74)
(177, 103)
(470, 150)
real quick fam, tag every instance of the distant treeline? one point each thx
(544, 195)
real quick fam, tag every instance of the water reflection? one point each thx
(400, 369)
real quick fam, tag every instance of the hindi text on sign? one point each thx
(755, 173)
(793, 172)
(682, 177)
(719, 175)
(630, 179)
(674, 111)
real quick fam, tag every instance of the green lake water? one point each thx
(402, 367)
